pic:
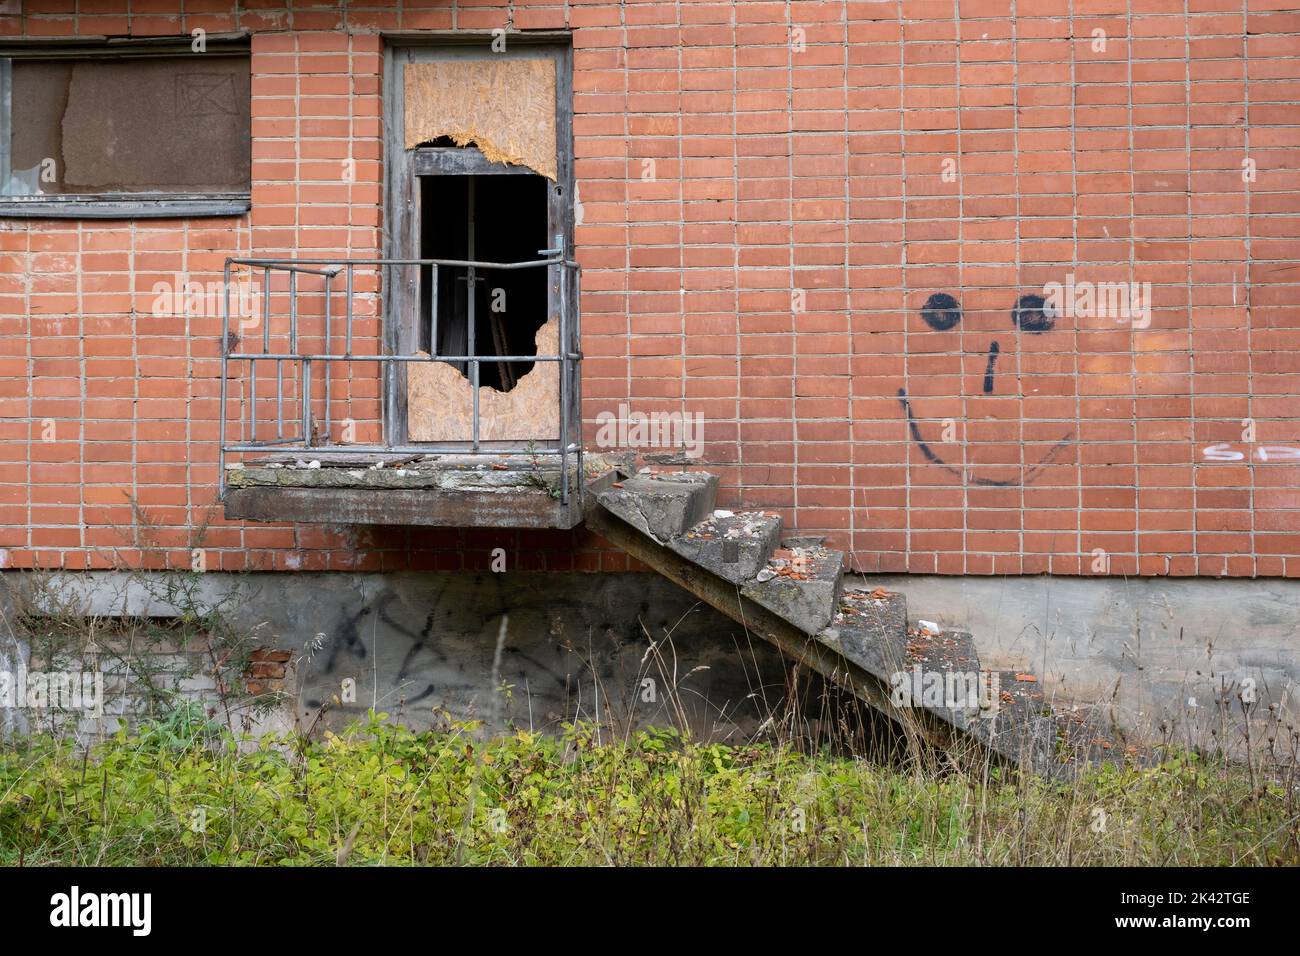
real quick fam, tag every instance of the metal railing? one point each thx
(286, 340)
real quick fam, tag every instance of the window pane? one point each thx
(158, 125)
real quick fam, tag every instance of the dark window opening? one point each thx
(495, 218)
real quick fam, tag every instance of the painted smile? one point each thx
(1028, 475)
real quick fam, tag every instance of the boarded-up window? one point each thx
(133, 125)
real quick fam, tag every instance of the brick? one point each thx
(820, 169)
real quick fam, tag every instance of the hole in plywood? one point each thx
(488, 219)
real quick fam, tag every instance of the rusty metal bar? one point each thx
(304, 405)
(225, 361)
(293, 312)
(300, 362)
(266, 309)
(348, 349)
(564, 379)
(326, 357)
(279, 398)
(576, 322)
(471, 298)
(329, 347)
(431, 448)
(461, 263)
(252, 401)
(433, 310)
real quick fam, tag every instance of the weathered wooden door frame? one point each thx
(402, 167)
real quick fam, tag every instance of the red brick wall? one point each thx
(799, 153)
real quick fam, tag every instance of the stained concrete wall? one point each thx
(424, 646)
(1158, 653)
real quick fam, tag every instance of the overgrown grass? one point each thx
(180, 793)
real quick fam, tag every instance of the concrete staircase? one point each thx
(792, 594)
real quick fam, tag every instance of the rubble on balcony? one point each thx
(447, 490)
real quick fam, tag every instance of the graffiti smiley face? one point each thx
(1004, 448)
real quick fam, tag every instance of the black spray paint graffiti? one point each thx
(444, 646)
(349, 647)
(942, 313)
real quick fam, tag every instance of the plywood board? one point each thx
(505, 107)
(439, 401)
(166, 125)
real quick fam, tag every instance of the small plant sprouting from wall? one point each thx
(163, 646)
(159, 640)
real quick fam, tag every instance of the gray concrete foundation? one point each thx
(526, 650)
(1165, 658)
(1168, 657)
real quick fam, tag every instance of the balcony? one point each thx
(331, 414)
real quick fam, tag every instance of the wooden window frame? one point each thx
(141, 205)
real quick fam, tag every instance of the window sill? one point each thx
(125, 206)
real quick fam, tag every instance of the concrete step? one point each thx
(870, 630)
(1023, 729)
(938, 671)
(663, 506)
(800, 585)
(1086, 736)
(943, 676)
(941, 650)
(861, 636)
(733, 546)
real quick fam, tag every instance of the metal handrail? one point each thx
(568, 355)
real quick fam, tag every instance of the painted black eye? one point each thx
(941, 311)
(1032, 314)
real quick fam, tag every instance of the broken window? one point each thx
(484, 219)
(124, 132)
(480, 171)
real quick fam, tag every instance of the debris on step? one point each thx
(1086, 737)
(735, 546)
(954, 651)
(930, 627)
(871, 633)
(804, 587)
